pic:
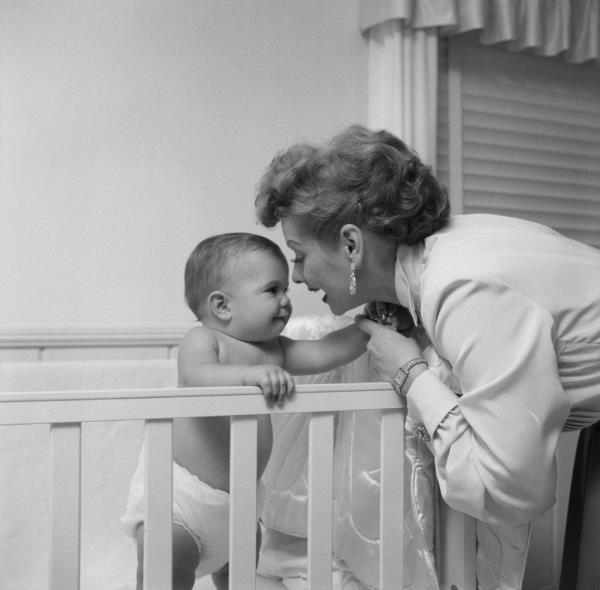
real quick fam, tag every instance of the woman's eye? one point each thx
(296, 260)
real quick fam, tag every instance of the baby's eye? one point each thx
(296, 260)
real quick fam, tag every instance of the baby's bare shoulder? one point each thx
(240, 352)
(199, 338)
(202, 342)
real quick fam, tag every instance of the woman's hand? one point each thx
(388, 349)
(391, 315)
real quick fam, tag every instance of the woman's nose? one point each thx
(297, 275)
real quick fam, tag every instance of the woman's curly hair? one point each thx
(369, 178)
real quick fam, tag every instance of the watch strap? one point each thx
(401, 375)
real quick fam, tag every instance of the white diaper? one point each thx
(200, 509)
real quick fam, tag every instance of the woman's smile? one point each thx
(320, 267)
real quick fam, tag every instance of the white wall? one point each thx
(131, 129)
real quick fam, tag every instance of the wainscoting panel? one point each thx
(93, 344)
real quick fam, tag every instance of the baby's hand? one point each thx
(276, 384)
(394, 316)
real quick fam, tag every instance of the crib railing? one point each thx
(65, 411)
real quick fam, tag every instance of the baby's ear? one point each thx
(218, 302)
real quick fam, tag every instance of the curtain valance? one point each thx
(547, 27)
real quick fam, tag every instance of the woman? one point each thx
(512, 306)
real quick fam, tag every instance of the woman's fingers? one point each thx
(366, 325)
(387, 348)
(360, 320)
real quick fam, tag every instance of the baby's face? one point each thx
(260, 303)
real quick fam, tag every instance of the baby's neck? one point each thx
(229, 332)
(241, 340)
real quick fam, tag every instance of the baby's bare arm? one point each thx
(201, 445)
(305, 357)
(199, 365)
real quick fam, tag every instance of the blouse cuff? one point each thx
(429, 400)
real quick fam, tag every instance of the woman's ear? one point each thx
(218, 303)
(353, 243)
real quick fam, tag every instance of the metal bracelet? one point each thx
(401, 375)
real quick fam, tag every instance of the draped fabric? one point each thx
(546, 27)
(403, 41)
(403, 84)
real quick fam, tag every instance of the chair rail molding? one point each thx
(48, 344)
(89, 337)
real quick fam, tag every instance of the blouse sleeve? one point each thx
(495, 445)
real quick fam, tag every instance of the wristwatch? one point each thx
(401, 375)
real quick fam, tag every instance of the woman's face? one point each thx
(320, 267)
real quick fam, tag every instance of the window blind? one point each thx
(519, 135)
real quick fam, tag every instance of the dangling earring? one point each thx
(352, 286)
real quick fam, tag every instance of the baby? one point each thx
(236, 284)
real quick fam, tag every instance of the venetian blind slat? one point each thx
(530, 143)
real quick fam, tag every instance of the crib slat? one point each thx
(457, 538)
(391, 513)
(320, 498)
(242, 508)
(65, 452)
(158, 543)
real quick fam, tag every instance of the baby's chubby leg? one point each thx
(201, 445)
(185, 558)
(221, 578)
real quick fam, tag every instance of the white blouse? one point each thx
(514, 308)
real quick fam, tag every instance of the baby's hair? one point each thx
(210, 263)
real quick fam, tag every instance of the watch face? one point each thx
(401, 375)
(399, 380)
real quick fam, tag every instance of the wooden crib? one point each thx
(65, 411)
(71, 432)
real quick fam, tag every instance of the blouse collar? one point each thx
(409, 261)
